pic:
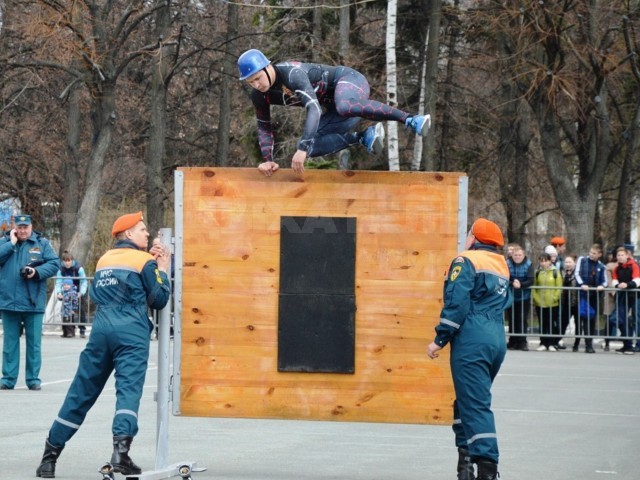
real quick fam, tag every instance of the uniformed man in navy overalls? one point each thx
(127, 281)
(476, 293)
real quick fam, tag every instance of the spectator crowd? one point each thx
(555, 290)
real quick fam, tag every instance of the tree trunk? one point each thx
(446, 134)
(392, 97)
(158, 122)
(71, 193)
(515, 135)
(345, 28)
(418, 143)
(228, 75)
(317, 30)
(431, 82)
(577, 204)
(72, 167)
(103, 109)
(625, 197)
(624, 194)
(514, 139)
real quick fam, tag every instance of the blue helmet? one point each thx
(251, 62)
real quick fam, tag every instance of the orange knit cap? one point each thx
(125, 222)
(557, 241)
(487, 232)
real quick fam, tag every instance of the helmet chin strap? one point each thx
(265, 69)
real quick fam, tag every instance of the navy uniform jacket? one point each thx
(127, 279)
(25, 295)
(477, 285)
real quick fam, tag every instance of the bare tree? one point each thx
(156, 151)
(72, 165)
(94, 48)
(633, 138)
(317, 30)
(515, 134)
(447, 127)
(392, 96)
(345, 24)
(228, 73)
(428, 87)
(565, 62)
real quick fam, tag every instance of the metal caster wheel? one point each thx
(107, 472)
(185, 472)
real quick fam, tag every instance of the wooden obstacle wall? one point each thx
(228, 229)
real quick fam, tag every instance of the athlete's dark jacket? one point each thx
(308, 85)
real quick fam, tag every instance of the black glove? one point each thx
(27, 269)
(36, 275)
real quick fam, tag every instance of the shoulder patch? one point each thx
(455, 271)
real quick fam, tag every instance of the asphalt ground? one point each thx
(560, 415)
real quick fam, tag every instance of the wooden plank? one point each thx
(396, 367)
(317, 404)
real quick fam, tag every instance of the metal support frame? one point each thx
(177, 297)
(463, 199)
(182, 470)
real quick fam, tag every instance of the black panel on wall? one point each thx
(316, 313)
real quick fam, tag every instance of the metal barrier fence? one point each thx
(608, 313)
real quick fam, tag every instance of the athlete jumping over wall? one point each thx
(336, 99)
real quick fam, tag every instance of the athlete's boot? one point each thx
(487, 470)
(419, 124)
(373, 138)
(465, 465)
(120, 459)
(47, 467)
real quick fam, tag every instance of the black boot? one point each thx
(47, 468)
(120, 459)
(487, 470)
(465, 465)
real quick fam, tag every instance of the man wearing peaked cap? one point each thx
(476, 293)
(128, 280)
(22, 220)
(27, 260)
(125, 222)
